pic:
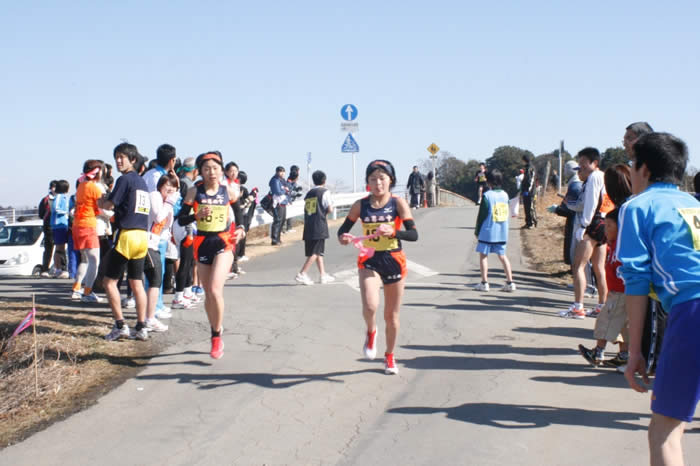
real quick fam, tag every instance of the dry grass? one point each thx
(543, 246)
(75, 366)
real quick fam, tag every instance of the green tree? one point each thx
(509, 160)
(613, 156)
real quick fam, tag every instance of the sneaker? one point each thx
(155, 325)
(62, 275)
(595, 311)
(128, 303)
(217, 348)
(390, 366)
(90, 298)
(326, 278)
(164, 313)
(232, 276)
(304, 279)
(118, 333)
(198, 290)
(76, 295)
(183, 303)
(509, 287)
(616, 362)
(370, 347)
(590, 356)
(621, 369)
(481, 287)
(241, 271)
(591, 292)
(292, 230)
(141, 335)
(573, 312)
(243, 259)
(45, 275)
(193, 298)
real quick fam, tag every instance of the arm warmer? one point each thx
(411, 234)
(237, 217)
(345, 227)
(185, 217)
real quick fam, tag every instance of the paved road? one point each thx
(486, 378)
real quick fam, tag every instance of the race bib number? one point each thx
(691, 215)
(311, 205)
(216, 220)
(500, 212)
(143, 203)
(382, 243)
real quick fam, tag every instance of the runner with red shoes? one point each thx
(382, 215)
(211, 201)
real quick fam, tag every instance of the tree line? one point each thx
(458, 176)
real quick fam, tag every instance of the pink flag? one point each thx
(25, 323)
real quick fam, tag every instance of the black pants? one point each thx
(48, 249)
(185, 272)
(527, 205)
(414, 199)
(279, 215)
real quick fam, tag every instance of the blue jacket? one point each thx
(59, 212)
(492, 222)
(658, 244)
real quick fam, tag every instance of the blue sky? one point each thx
(264, 81)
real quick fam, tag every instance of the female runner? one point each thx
(382, 214)
(212, 201)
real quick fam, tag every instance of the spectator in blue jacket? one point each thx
(659, 248)
(60, 210)
(279, 190)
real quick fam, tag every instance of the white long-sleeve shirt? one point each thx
(593, 190)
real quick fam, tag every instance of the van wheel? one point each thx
(36, 271)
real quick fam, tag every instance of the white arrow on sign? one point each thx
(348, 112)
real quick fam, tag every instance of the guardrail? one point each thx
(12, 215)
(341, 204)
(448, 198)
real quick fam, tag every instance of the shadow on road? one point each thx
(513, 416)
(264, 380)
(495, 349)
(473, 363)
(573, 332)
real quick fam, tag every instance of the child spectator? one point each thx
(59, 227)
(659, 247)
(612, 319)
(317, 204)
(492, 230)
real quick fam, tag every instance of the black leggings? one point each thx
(183, 278)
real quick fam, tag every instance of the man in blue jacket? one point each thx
(279, 190)
(659, 247)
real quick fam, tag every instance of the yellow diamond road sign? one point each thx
(433, 148)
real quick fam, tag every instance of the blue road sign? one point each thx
(348, 112)
(350, 145)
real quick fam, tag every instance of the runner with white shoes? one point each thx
(382, 215)
(317, 204)
(211, 200)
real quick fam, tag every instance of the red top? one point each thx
(614, 282)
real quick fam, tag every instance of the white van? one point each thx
(21, 248)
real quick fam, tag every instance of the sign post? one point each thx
(433, 149)
(349, 113)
